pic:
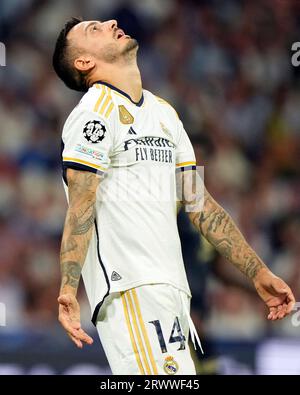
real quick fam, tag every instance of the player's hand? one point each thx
(275, 293)
(69, 317)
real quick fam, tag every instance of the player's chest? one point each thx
(143, 136)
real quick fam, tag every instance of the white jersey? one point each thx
(139, 147)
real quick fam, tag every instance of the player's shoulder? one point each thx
(98, 100)
(163, 103)
(96, 105)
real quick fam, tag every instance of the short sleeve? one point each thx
(185, 156)
(86, 143)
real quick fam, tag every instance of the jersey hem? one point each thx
(126, 286)
(130, 285)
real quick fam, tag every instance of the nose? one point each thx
(112, 24)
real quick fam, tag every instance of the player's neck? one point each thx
(128, 80)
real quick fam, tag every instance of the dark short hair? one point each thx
(63, 58)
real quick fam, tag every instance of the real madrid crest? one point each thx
(170, 365)
(125, 117)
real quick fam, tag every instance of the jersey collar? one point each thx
(138, 104)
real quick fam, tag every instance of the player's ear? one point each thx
(84, 63)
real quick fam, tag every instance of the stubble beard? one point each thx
(129, 53)
(131, 46)
(111, 53)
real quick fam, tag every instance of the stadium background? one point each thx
(226, 67)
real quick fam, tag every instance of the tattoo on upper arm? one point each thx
(81, 182)
(81, 221)
(220, 230)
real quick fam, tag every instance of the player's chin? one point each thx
(131, 44)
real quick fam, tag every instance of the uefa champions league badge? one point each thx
(170, 365)
(94, 131)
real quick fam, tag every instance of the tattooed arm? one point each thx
(79, 223)
(219, 229)
(78, 228)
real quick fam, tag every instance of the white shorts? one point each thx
(145, 330)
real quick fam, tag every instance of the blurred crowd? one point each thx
(226, 68)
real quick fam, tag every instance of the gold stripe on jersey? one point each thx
(163, 101)
(106, 103)
(137, 333)
(83, 162)
(99, 86)
(109, 110)
(130, 330)
(97, 105)
(182, 164)
(145, 334)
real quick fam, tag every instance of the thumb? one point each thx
(65, 300)
(280, 286)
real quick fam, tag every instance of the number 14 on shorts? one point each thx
(175, 336)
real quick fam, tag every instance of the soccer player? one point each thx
(123, 149)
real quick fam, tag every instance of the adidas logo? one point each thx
(115, 276)
(131, 131)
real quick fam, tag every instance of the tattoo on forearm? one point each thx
(220, 230)
(70, 272)
(68, 246)
(78, 226)
(252, 264)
